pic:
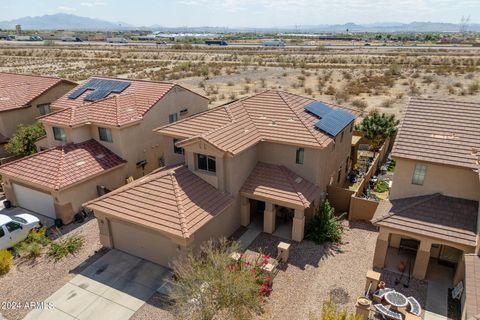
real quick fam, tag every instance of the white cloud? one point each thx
(92, 4)
(66, 9)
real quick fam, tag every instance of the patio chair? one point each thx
(387, 313)
(378, 295)
(414, 306)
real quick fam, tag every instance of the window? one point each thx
(12, 226)
(183, 112)
(300, 155)
(172, 118)
(59, 134)
(2, 233)
(419, 174)
(105, 134)
(176, 149)
(44, 109)
(206, 163)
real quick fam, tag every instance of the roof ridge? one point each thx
(60, 168)
(311, 130)
(181, 210)
(287, 172)
(410, 205)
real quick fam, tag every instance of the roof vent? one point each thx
(274, 123)
(299, 180)
(100, 156)
(263, 117)
(80, 163)
(4, 98)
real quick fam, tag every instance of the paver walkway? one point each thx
(113, 287)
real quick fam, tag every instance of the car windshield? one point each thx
(18, 219)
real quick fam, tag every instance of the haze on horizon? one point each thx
(249, 13)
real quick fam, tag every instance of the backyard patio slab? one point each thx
(114, 287)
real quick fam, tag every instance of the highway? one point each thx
(251, 45)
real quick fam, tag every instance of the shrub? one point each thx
(325, 226)
(63, 247)
(330, 311)
(381, 186)
(22, 142)
(211, 285)
(360, 104)
(6, 260)
(474, 87)
(378, 127)
(32, 245)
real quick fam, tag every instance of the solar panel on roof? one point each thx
(101, 88)
(318, 108)
(334, 122)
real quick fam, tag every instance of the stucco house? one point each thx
(23, 98)
(265, 159)
(433, 208)
(99, 135)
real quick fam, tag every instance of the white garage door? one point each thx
(143, 242)
(35, 201)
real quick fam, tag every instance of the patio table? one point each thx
(396, 299)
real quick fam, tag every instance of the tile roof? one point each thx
(436, 215)
(173, 200)
(472, 286)
(273, 115)
(116, 109)
(439, 131)
(63, 166)
(278, 183)
(19, 90)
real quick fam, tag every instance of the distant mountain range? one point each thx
(72, 22)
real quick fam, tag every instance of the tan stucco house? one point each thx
(433, 207)
(23, 98)
(264, 159)
(98, 138)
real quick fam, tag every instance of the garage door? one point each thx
(35, 201)
(143, 242)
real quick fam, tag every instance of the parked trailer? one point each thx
(274, 43)
(28, 38)
(117, 40)
(216, 43)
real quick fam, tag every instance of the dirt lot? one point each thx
(35, 280)
(366, 79)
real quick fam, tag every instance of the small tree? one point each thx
(325, 226)
(22, 141)
(212, 285)
(378, 127)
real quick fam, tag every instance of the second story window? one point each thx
(172, 118)
(176, 149)
(299, 157)
(183, 112)
(44, 109)
(206, 163)
(419, 174)
(59, 134)
(105, 134)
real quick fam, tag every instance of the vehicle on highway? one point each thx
(71, 39)
(16, 228)
(216, 42)
(28, 38)
(274, 43)
(117, 40)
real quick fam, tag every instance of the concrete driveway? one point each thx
(113, 287)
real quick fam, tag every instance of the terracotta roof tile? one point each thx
(274, 115)
(116, 109)
(436, 215)
(279, 183)
(173, 200)
(63, 166)
(18, 90)
(472, 286)
(439, 131)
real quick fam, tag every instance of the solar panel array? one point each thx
(332, 121)
(101, 88)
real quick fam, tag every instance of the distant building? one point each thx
(18, 29)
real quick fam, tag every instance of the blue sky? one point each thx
(253, 13)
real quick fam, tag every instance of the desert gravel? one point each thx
(35, 280)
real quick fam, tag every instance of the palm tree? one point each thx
(378, 127)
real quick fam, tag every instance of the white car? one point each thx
(15, 229)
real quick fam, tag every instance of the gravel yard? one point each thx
(35, 280)
(312, 273)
